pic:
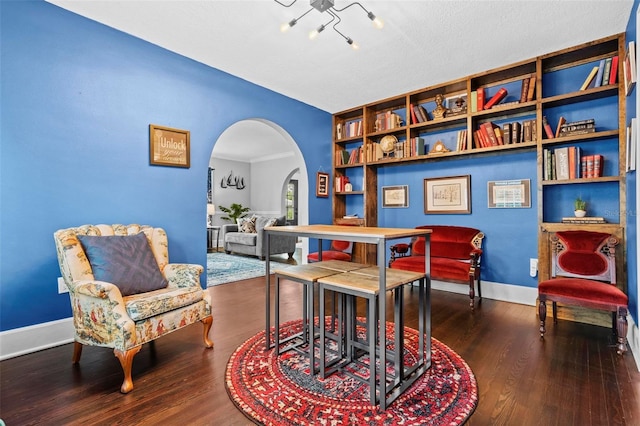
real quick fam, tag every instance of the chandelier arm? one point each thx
(302, 16)
(349, 5)
(335, 15)
(285, 5)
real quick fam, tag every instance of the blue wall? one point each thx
(632, 213)
(77, 101)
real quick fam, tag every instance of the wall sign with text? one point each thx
(169, 147)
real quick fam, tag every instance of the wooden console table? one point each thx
(369, 235)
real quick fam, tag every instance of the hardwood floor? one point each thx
(573, 377)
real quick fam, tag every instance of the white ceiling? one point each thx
(423, 42)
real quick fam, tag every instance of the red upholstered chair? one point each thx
(455, 256)
(583, 273)
(340, 250)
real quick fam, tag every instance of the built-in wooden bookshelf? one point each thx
(557, 79)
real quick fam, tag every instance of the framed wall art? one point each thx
(509, 194)
(447, 195)
(169, 147)
(395, 196)
(322, 184)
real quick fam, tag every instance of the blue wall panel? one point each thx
(77, 100)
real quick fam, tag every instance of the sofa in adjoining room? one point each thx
(248, 237)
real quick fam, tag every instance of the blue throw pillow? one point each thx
(126, 261)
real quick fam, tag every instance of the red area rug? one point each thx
(272, 390)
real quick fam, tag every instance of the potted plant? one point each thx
(580, 207)
(234, 212)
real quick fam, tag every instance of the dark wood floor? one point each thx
(574, 377)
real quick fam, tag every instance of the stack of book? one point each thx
(603, 74)
(577, 127)
(418, 114)
(585, 219)
(349, 129)
(568, 163)
(387, 120)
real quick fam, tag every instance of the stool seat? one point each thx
(392, 274)
(340, 265)
(308, 272)
(368, 282)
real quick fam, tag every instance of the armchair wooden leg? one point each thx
(208, 321)
(472, 293)
(621, 329)
(542, 312)
(126, 361)
(77, 352)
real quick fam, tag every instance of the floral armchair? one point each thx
(147, 298)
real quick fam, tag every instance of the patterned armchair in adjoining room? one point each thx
(124, 292)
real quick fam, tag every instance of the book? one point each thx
(526, 131)
(412, 112)
(500, 95)
(562, 163)
(585, 219)
(613, 78)
(506, 133)
(547, 128)
(598, 164)
(474, 101)
(589, 79)
(480, 98)
(561, 121)
(339, 131)
(524, 90)
(532, 88)
(632, 61)
(607, 72)
(490, 133)
(598, 81)
(421, 113)
(516, 132)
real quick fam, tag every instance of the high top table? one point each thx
(368, 235)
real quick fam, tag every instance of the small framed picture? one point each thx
(509, 194)
(169, 147)
(456, 104)
(447, 195)
(322, 184)
(395, 196)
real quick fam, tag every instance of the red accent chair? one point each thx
(583, 273)
(455, 256)
(340, 250)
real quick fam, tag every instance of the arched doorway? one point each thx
(265, 157)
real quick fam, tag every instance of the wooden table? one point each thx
(368, 235)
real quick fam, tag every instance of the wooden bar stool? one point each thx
(366, 285)
(307, 275)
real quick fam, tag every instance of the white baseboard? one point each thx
(633, 337)
(496, 291)
(25, 340)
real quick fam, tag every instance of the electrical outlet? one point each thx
(533, 267)
(62, 287)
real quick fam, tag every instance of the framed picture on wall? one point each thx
(322, 184)
(509, 194)
(447, 195)
(169, 147)
(395, 196)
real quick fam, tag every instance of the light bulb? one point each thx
(352, 43)
(285, 27)
(315, 33)
(377, 22)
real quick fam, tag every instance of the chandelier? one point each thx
(328, 6)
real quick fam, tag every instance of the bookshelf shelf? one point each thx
(556, 79)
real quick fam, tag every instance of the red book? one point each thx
(500, 95)
(614, 70)
(547, 128)
(414, 120)
(572, 162)
(598, 163)
(490, 136)
(480, 98)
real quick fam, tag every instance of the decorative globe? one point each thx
(388, 143)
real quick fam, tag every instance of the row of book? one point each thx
(341, 182)
(490, 134)
(349, 157)
(461, 142)
(568, 129)
(603, 74)
(568, 163)
(349, 129)
(387, 121)
(418, 114)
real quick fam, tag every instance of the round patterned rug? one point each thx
(273, 390)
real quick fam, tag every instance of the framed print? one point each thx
(509, 194)
(395, 196)
(456, 104)
(322, 184)
(447, 195)
(169, 147)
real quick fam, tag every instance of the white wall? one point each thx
(267, 182)
(229, 195)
